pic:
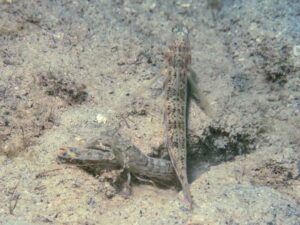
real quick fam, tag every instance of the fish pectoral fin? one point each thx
(196, 94)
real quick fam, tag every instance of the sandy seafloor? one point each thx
(70, 68)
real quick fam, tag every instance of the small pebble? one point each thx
(101, 119)
(296, 50)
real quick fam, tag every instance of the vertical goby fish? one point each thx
(178, 60)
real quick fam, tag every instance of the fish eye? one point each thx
(174, 29)
(179, 28)
(185, 30)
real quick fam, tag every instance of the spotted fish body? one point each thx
(178, 61)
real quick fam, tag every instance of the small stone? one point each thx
(58, 36)
(101, 119)
(296, 50)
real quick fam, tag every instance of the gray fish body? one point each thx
(178, 59)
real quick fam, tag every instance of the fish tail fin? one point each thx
(187, 193)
